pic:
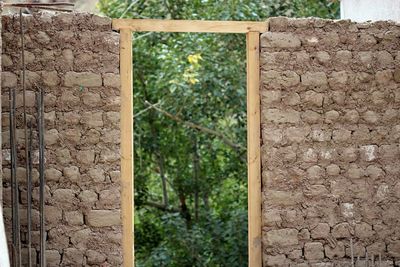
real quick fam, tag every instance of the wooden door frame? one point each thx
(252, 30)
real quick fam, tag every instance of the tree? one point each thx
(190, 130)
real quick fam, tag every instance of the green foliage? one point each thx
(304, 8)
(190, 130)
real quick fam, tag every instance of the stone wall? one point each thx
(330, 134)
(74, 58)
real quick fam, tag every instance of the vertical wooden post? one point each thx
(253, 149)
(127, 196)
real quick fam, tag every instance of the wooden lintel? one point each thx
(210, 26)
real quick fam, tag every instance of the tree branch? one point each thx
(192, 125)
(146, 109)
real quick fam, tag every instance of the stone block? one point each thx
(374, 172)
(280, 40)
(295, 254)
(343, 57)
(331, 116)
(311, 117)
(358, 250)
(276, 260)
(112, 118)
(351, 116)
(383, 77)
(341, 230)
(371, 117)
(341, 135)
(337, 252)
(73, 217)
(349, 154)
(110, 198)
(271, 217)
(296, 134)
(53, 257)
(313, 251)
(95, 257)
(278, 24)
(72, 257)
(384, 59)
(394, 248)
(369, 152)
(314, 79)
(376, 248)
(363, 230)
(85, 79)
(53, 215)
(321, 135)
(64, 195)
(281, 238)
(50, 78)
(333, 170)
(103, 218)
(51, 137)
(321, 231)
(313, 98)
(111, 136)
(91, 99)
(92, 119)
(8, 79)
(109, 156)
(323, 57)
(85, 157)
(396, 75)
(88, 196)
(316, 191)
(112, 80)
(281, 79)
(71, 173)
(283, 198)
(52, 174)
(97, 175)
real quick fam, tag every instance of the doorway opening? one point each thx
(191, 158)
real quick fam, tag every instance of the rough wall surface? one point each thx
(74, 58)
(330, 134)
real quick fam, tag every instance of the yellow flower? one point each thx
(193, 80)
(194, 59)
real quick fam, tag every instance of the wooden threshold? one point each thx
(210, 26)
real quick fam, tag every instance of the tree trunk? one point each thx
(160, 160)
(185, 211)
(196, 173)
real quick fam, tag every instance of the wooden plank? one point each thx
(155, 25)
(253, 149)
(127, 196)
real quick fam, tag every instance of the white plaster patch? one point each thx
(326, 154)
(312, 40)
(347, 210)
(382, 192)
(6, 154)
(310, 155)
(369, 152)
